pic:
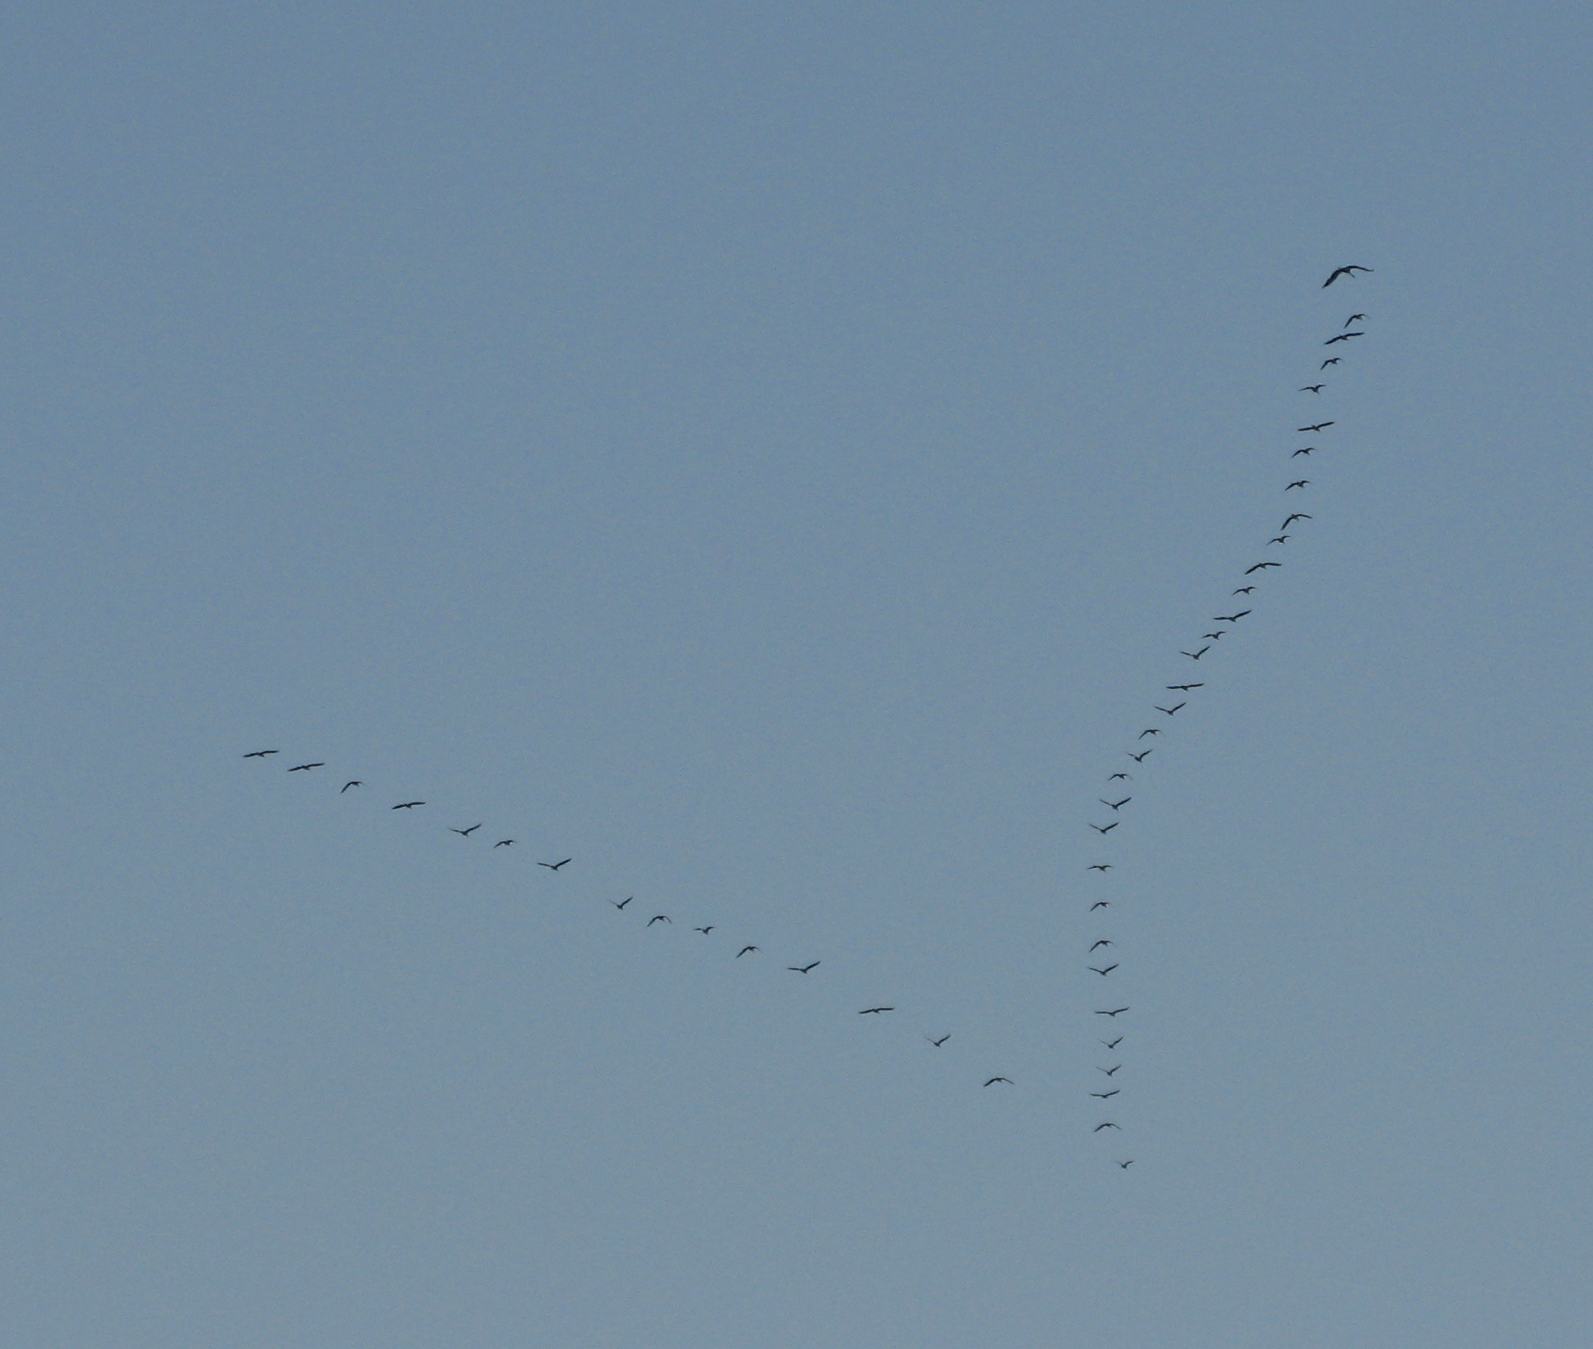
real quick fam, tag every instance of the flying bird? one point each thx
(705, 930)
(1342, 337)
(1113, 1044)
(621, 903)
(1169, 710)
(1105, 828)
(939, 1042)
(1231, 618)
(1307, 450)
(353, 783)
(1244, 590)
(1149, 730)
(1331, 360)
(1125, 1165)
(1260, 566)
(1102, 1012)
(992, 1081)
(1344, 271)
(1104, 941)
(1107, 1095)
(1320, 426)
(1282, 538)
(803, 969)
(554, 866)
(743, 951)
(1107, 970)
(464, 833)
(1215, 636)
(1115, 805)
(1184, 688)
(1107, 1125)
(1127, 777)
(1298, 515)
(1353, 318)
(1100, 866)
(1100, 904)
(504, 843)
(260, 753)
(408, 805)
(1195, 655)
(1303, 482)
(1140, 757)
(305, 767)
(1312, 388)
(1108, 1071)
(659, 918)
(869, 1011)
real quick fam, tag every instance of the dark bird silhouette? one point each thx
(1108, 1071)
(408, 805)
(464, 833)
(1349, 271)
(992, 1081)
(1126, 777)
(1113, 1044)
(1102, 1012)
(1215, 636)
(705, 930)
(1183, 688)
(1195, 655)
(1320, 426)
(870, 1011)
(1298, 515)
(355, 782)
(1106, 971)
(1104, 828)
(1169, 710)
(1125, 1165)
(1261, 566)
(1107, 1095)
(1331, 360)
(504, 843)
(1282, 538)
(1342, 337)
(554, 866)
(1244, 590)
(1303, 482)
(803, 969)
(260, 753)
(306, 767)
(621, 903)
(1115, 805)
(1104, 941)
(939, 1042)
(1100, 866)
(1106, 1125)
(1149, 730)
(1140, 757)
(1353, 318)
(1312, 388)
(659, 918)
(1100, 904)
(1307, 450)
(1231, 618)
(743, 951)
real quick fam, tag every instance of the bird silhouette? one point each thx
(260, 753)
(1113, 1044)
(554, 866)
(992, 1081)
(705, 930)
(1169, 710)
(464, 833)
(1109, 1071)
(659, 918)
(1342, 337)
(1115, 805)
(1106, 971)
(1298, 515)
(1307, 450)
(1349, 271)
(871, 1011)
(1244, 590)
(1107, 1095)
(1104, 941)
(1183, 688)
(408, 805)
(1261, 566)
(1125, 1165)
(1303, 482)
(1331, 360)
(1099, 866)
(803, 969)
(1100, 1011)
(1312, 388)
(354, 782)
(1320, 426)
(504, 843)
(1106, 1125)
(1282, 538)
(1125, 777)
(1353, 318)
(743, 951)
(1141, 756)
(621, 903)
(306, 767)
(939, 1042)
(1100, 904)
(1195, 655)
(1149, 730)
(1216, 636)
(1104, 828)
(1231, 618)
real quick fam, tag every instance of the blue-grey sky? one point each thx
(773, 455)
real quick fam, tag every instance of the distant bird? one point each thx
(1342, 337)
(870, 1011)
(1312, 388)
(1100, 904)
(939, 1042)
(1115, 805)
(1231, 618)
(1261, 566)
(1106, 971)
(1126, 777)
(353, 783)
(1282, 538)
(803, 969)
(1183, 688)
(1113, 1044)
(1307, 450)
(1100, 866)
(1125, 1165)
(504, 843)
(1149, 730)
(1107, 1095)
(1169, 710)
(1140, 757)
(1195, 655)
(1320, 426)
(1106, 1125)
(992, 1081)
(743, 951)
(1298, 515)
(1344, 271)
(1331, 360)
(1104, 941)
(1244, 590)
(305, 767)
(1215, 636)
(659, 918)
(621, 903)
(464, 833)
(1105, 828)
(554, 866)
(1353, 318)
(260, 753)
(408, 805)
(1109, 1071)
(705, 930)
(1101, 1012)
(1303, 482)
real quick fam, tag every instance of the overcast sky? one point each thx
(773, 456)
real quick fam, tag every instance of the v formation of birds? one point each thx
(1104, 959)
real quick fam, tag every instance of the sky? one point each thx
(773, 456)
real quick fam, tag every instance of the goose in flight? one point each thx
(705, 930)
(464, 833)
(1311, 388)
(1104, 941)
(1282, 538)
(1244, 590)
(992, 1081)
(1298, 515)
(1106, 971)
(1307, 450)
(743, 951)
(1149, 730)
(1105, 828)
(1215, 636)
(939, 1042)
(260, 753)
(1231, 618)
(504, 843)
(554, 866)
(1140, 757)
(1099, 866)
(1169, 710)
(1125, 1165)
(1100, 904)
(1106, 1125)
(1101, 1011)
(1108, 1071)
(1115, 805)
(1107, 1095)
(1349, 271)
(621, 903)
(803, 969)
(408, 805)
(306, 767)
(1195, 655)
(1342, 337)
(1261, 566)
(1126, 777)
(352, 782)
(1331, 360)
(1353, 318)
(659, 918)
(1303, 482)
(1183, 688)
(871, 1011)
(1320, 426)
(1113, 1044)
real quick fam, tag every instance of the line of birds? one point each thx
(1110, 964)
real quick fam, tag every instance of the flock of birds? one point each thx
(1104, 966)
